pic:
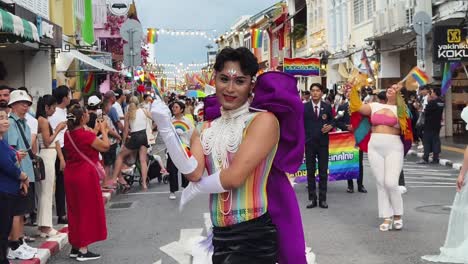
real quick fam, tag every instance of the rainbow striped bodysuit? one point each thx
(246, 202)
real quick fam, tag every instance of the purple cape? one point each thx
(276, 92)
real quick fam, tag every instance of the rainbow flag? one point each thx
(89, 86)
(185, 128)
(257, 38)
(303, 67)
(420, 76)
(151, 36)
(449, 68)
(154, 83)
(343, 159)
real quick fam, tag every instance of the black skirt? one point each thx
(254, 241)
(137, 139)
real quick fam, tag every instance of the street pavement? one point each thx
(149, 231)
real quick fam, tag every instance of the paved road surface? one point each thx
(345, 233)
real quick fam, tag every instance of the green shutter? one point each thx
(87, 29)
(7, 21)
(27, 30)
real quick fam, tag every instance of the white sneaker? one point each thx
(403, 189)
(29, 248)
(20, 253)
(172, 196)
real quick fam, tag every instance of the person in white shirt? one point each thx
(62, 95)
(120, 98)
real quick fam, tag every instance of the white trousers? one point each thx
(45, 188)
(385, 154)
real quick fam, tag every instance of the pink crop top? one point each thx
(383, 119)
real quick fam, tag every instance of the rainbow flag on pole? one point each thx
(302, 67)
(420, 76)
(257, 38)
(449, 68)
(154, 83)
(151, 36)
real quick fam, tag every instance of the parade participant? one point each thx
(343, 122)
(49, 151)
(252, 201)
(184, 129)
(318, 122)
(86, 216)
(135, 128)
(455, 249)
(385, 150)
(11, 178)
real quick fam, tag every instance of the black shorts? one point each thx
(254, 241)
(25, 204)
(110, 156)
(137, 139)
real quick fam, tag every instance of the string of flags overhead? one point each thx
(182, 64)
(153, 33)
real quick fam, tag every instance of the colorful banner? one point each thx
(151, 36)
(303, 67)
(257, 38)
(343, 159)
(449, 69)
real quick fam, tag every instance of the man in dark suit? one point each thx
(318, 121)
(343, 122)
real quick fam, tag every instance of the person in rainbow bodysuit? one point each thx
(246, 153)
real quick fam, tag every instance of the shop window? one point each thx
(370, 8)
(266, 41)
(276, 48)
(363, 10)
(248, 43)
(80, 9)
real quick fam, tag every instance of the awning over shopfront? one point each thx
(17, 26)
(65, 59)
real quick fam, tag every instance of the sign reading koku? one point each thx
(450, 44)
(343, 159)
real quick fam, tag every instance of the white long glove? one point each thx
(162, 117)
(207, 184)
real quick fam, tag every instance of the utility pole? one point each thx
(209, 47)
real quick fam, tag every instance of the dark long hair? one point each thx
(46, 100)
(75, 114)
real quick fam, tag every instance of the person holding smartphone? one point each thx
(10, 178)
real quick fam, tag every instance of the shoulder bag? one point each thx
(97, 165)
(37, 162)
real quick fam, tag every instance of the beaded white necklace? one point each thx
(225, 134)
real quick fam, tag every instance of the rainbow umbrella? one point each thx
(195, 93)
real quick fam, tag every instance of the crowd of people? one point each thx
(84, 146)
(242, 142)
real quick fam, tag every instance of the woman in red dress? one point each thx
(86, 216)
